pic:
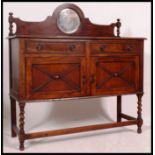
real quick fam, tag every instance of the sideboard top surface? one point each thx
(75, 37)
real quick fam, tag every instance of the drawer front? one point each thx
(115, 47)
(71, 48)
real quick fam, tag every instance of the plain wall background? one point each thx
(135, 19)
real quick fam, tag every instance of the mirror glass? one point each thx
(68, 21)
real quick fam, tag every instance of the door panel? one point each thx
(114, 75)
(55, 77)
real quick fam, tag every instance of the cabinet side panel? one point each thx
(141, 65)
(14, 66)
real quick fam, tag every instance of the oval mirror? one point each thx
(68, 21)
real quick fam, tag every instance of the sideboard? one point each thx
(66, 56)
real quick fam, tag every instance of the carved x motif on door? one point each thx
(60, 76)
(113, 75)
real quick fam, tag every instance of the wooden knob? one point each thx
(115, 74)
(39, 47)
(56, 77)
(129, 48)
(71, 48)
(102, 48)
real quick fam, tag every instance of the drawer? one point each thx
(115, 47)
(75, 48)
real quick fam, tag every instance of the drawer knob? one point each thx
(56, 77)
(129, 48)
(71, 48)
(39, 47)
(115, 74)
(102, 48)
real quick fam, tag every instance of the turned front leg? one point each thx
(139, 112)
(119, 108)
(13, 116)
(21, 126)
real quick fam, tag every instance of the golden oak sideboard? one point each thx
(67, 56)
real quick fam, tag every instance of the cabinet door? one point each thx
(114, 75)
(55, 77)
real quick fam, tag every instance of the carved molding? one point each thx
(49, 27)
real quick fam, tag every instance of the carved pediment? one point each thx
(67, 20)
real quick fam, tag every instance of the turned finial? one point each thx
(10, 23)
(118, 25)
(10, 13)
